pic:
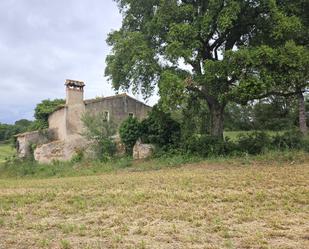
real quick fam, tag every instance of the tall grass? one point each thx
(6, 151)
(32, 169)
(233, 135)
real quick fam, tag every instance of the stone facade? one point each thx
(26, 142)
(60, 150)
(118, 107)
(142, 151)
(67, 127)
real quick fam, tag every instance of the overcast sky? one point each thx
(44, 42)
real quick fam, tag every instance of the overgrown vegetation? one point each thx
(171, 136)
(161, 129)
(99, 131)
(43, 110)
(6, 152)
(130, 131)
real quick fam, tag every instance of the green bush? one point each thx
(249, 143)
(253, 143)
(130, 131)
(78, 157)
(44, 109)
(206, 145)
(100, 132)
(160, 129)
(106, 149)
(289, 140)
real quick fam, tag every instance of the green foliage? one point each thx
(44, 109)
(272, 114)
(78, 156)
(203, 48)
(265, 71)
(7, 131)
(253, 143)
(38, 125)
(14, 167)
(195, 117)
(100, 131)
(160, 129)
(290, 140)
(23, 123)
(6, 152)
(206, 145)
(238, 117)
(130, 131)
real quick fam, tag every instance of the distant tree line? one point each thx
(41, 113)
(7, 131)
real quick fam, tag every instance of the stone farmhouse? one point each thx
(64, 136)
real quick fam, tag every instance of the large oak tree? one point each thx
(182, 46)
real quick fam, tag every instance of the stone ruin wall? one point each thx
(26, 142)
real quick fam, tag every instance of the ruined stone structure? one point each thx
(142, 151)
(65, 125)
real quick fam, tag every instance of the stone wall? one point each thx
(74, 124)
(64, 136)
(25, 141)
(57, 121)
(142, 151)
(119, 107)
(60, 150)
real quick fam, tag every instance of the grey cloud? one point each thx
(43, 42)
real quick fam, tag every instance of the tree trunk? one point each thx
(302, 114)
(216, 120)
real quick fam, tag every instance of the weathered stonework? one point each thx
(142, 151)
(60, 150)
(26, 142)
(67, 125)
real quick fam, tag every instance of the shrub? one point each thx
(160, 129)
(289, 140)
(253, 143)
(129, 133)
(106, 148)
(78, 157)
(100, 131)
(43, 110)
(206, 145)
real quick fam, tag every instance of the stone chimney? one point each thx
(75, 107)
(74, 92)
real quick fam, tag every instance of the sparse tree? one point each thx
(100, 131)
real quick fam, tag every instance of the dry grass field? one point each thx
(203, 205)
